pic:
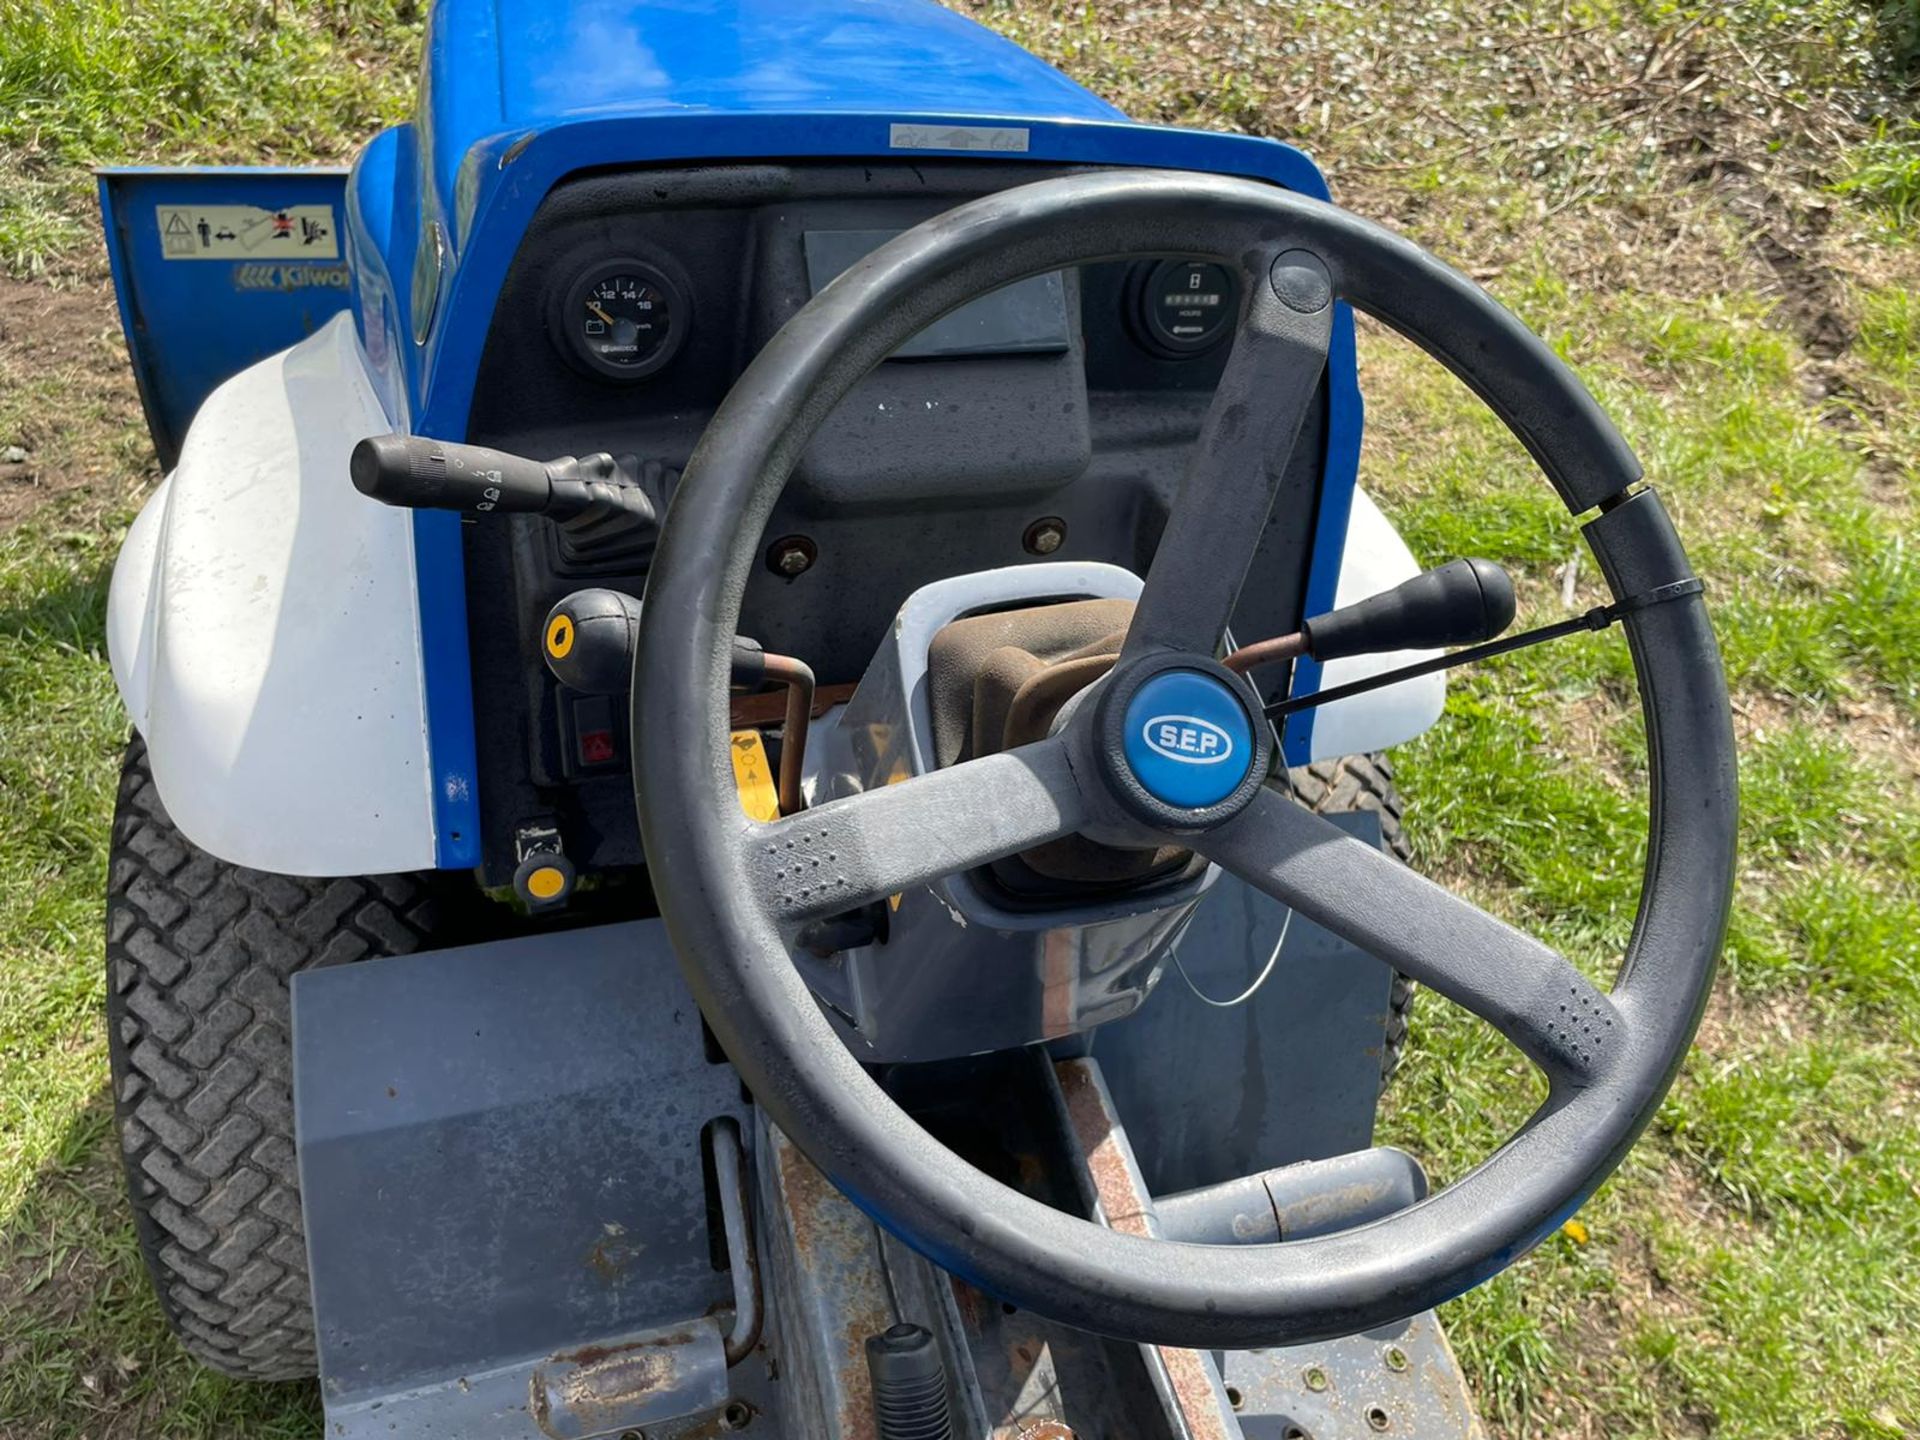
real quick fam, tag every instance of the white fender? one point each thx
(264, 629)
(1373, 559)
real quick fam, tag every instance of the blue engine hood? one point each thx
(518, 94)
(528, 66)
(645, 56)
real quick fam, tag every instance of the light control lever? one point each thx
(1464, 602)
(418, 473)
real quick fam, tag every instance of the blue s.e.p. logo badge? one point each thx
(1188, 740)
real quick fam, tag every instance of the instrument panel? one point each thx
(624, 317)
(1049, 420)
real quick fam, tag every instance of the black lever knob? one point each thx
(417, 473)
(590, 636)
(1462, 603)
(608, 514)
(589, 640)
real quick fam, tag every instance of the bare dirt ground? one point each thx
(69, 409)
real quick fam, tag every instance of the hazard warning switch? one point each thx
(595, 742)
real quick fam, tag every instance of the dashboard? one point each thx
(1049, 420)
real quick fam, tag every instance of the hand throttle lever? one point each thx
(1462, 603)
(589, 643)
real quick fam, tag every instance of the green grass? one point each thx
(1745, 1274)
(92, 82)
(81, 1337)
(63, 725)
(1886, 173)
(1736, 1271)
(83, 1348)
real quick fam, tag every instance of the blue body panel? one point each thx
(192, 320)
(519, 67)
(519, 94)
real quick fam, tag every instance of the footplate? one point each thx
(1401, 1381)
(501, 1159)
(1398, 1381)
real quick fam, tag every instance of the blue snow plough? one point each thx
(758, 803)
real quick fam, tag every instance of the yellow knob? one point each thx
(545, 883)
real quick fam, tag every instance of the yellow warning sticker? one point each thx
(753, 776)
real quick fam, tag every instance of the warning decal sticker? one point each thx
(246, 232)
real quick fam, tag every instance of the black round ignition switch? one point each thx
(1187, 306)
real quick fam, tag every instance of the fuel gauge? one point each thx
(624, 319)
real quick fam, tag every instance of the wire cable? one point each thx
(1251, 990)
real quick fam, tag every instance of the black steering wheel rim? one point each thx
(711, 866)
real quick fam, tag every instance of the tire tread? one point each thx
(199, 956)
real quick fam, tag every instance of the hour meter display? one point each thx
(1186, 306)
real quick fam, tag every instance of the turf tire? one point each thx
(199, 955)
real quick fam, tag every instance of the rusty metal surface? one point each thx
(1401, 1383)
(829, 1292)
(833, 1280)
(663, 1374)
(1034, 1374)
(1026, 1370)
(604, 1388)
(1119, 1198)
(1190, 1382)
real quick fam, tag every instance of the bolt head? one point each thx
(791, 555)
(1045, 536)
(1316, 1378)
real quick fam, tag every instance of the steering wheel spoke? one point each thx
(1245, 441)
(1531, 994)
(862, 848)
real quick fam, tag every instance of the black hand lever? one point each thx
(1598, 618)
(590, 636)
(1463, 602)
(589, 642)
(417, 473)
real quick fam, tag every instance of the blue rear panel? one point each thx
(215, 269)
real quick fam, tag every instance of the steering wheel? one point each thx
(734, 891)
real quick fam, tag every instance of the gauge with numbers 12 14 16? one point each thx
(623, 319)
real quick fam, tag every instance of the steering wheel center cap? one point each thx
(1187, 739)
